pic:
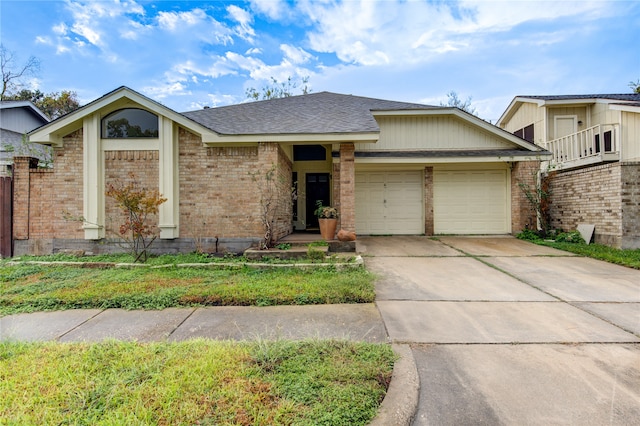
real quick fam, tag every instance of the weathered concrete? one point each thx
(446, 278)
(528, 384)
(402, 246)
(624, 315)
(495, 322)
(142, 326)
(43, 325)
(577, 279)
(352, 322)
(500, 246)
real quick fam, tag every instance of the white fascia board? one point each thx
(627, 108)
(444, 160)
(292, 138)
(52, 133)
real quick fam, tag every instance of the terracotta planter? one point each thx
(328, 228)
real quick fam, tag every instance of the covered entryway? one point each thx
(390, 202)
(471, 202)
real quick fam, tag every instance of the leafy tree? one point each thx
(13, 73)
(53, 104)
(635, 86)
(454, 101)
(279, 89)
(138, 204)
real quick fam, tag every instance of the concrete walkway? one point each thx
(506, 332)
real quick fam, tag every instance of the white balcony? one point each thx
(597, 144)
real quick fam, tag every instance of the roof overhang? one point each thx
(53, 132)
(294, 138)
(635, 107)
(451, 156)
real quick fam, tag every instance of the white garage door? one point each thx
(470, 202)
(389, 203)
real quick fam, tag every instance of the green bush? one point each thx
(570, 237)
(528, 235)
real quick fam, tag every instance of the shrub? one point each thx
(570, 237)
(528, 235)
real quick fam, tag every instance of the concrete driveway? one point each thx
(508, 332)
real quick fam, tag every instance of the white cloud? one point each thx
(172, 21)
(244, 20)
(296, 55)
(400, 32)
(274, 9)
(166, 90)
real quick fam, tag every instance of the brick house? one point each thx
(594, 171)
(389, 167)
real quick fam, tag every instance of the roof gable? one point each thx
(53, 132)
(630, 99)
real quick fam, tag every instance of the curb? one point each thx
(401, 402)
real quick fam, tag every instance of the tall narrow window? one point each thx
(130, 123)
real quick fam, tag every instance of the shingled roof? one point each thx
(629, 97)
(316, 113)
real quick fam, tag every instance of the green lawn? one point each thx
(193, 382)
(30, 288)
(628, 257)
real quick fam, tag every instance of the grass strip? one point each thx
(30, 288)
(624, 257)
(194, 382)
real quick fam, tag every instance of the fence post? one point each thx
(6, 219)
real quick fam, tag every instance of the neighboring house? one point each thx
(594, 172)
(389, 167)
(16, 119)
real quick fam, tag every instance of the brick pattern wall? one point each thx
(122, 168)
(67, 185)
(590, 195)
(218, 195)
(347, 185)
(428, 201)
(523, 215)
(630, 200)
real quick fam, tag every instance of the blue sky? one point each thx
(188, 54)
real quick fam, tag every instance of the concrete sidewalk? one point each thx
(360, 322)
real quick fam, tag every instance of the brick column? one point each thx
(21, 195)
(347, 187)
(428, 201)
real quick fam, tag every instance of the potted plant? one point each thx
(327, 219)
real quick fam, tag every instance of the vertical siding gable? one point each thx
(432, 133)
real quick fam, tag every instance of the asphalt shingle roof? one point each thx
(315, 113)
(631, 97)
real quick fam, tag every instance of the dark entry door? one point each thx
(318, 189)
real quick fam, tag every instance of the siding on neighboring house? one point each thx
(630, 135)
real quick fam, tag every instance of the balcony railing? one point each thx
(593, 145)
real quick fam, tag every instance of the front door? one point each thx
(317, 189)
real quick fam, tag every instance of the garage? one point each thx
(471, 202)
(389, 203)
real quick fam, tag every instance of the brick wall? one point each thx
(630, 200)
(428, 201)
(219, 197)
(523, 215)
(346, 188)
(122, 168)
(591, 195)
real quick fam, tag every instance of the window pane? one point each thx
(130, 123)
